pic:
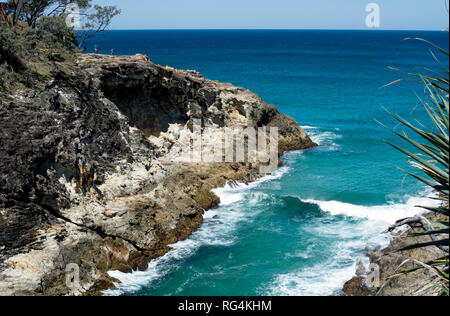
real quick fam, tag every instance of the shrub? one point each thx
(432, 164)
(54, 32)
(16, 45)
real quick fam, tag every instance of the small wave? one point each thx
(306, 127)
(324, 139)
(389, 213)
(229, 197)
(230, 194)
(327, 277)
(320, 280)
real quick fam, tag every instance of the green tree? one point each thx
(16, 46)
(16, 43)
(54, 32)
(30, 11)
(40, 14)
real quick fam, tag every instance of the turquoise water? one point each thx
(299, 231)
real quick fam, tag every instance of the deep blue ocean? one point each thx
(301, 230)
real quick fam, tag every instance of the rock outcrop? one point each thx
(390, 262)
(84, 176)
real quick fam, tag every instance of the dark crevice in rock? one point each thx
(95, 230)
(150, 106)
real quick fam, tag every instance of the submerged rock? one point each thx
(87, 178)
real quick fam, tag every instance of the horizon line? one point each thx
(273, 29)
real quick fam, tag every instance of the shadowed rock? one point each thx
(83, 177)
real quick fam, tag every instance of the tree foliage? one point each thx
(97, 21)
(38, 31)
(40, 14)
(16, 46)
(30, 11)
(54, 32)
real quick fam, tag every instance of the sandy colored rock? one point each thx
(87, 174)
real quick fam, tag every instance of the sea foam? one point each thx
(324, 278)
(389, 213)
(217, 230)
(325, 139)
(328, 277)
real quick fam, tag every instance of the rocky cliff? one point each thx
(84, 174)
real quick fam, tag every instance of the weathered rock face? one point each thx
(84, 177)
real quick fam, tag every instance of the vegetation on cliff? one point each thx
(432, 163)
(37, 34)
(85, 172)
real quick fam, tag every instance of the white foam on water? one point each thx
(306, 127)
(230, 194)
(324, 278)
(325, 139)
(305, 254)
(328, 277)
(319, 280)
(217, 230)
(389, 213)
(229, 197)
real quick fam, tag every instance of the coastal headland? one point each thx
(86, 185)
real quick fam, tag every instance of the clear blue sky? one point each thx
(276, 14)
